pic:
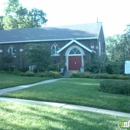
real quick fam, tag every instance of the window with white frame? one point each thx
(75, 51)
(11, 50)
(54, 49)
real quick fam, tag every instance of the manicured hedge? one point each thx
(97, 76)
(52, 74)
(29, 74)
(115, 86)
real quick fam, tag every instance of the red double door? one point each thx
(74, 62)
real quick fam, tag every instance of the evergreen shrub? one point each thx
(28, 73)
(115, 86)
(52, 74)
(97, 76)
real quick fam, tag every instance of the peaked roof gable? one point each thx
(81, 31)
(78, 43)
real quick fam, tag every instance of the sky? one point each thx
(114, 14)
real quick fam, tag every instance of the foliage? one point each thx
(8, 61)
(52, 74)
(38, 55)
(111, 47)
(29, 74)
(91, 67)
(115, 68)
(54, 67)
(97, 76)
(16, 16)
(1, 19)
(115, 86)
(98, 64)
(118, 46)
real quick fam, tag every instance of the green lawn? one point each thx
(18, 116)
(10, 80)
(75, 91)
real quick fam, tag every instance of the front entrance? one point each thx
(74, 62)
(74, 57)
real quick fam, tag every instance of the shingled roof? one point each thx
(81, 31)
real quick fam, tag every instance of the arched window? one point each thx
(54, 49)
(11, 50)
(75, 51)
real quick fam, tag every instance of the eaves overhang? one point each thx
(46, 40)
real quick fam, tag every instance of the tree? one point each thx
(111, 47)
(118, 50)
(125, 44)
(8, 60)
(98, 63)
(16, 16)
(118, 46)
(1, 19)
(38, 55)
(101, 62)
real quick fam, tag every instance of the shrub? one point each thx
(97, 76)
(76, 74)
(52, 74)
(53, 67)
(91, 67)
(115, 86)
(29, 74)
(23, 69)
(87, 75)
(115, 68)
(16, 72)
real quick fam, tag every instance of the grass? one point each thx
(75, 91)
(19, 116)
(10, 80)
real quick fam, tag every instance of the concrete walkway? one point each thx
(60, 105)
(6, 90)
(68, 106)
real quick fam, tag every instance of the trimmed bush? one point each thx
(53, 67)
(52, 74)
(29, 74)
(76, 74)
(115, 86)
(97, 76)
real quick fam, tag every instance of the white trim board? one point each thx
(46, 40)
(78, 43)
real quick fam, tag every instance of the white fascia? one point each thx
(47, 40)
(78, 43)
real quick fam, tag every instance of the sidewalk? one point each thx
(60, 105)
(68, 106)
(6, 90)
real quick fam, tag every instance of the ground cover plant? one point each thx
(10, 80)
(75, 91)
(20, 116)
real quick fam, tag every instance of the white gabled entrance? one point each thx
(74, 57)
(74, 54)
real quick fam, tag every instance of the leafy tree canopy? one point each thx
(118, 46)
(38, 55)
(16, 16)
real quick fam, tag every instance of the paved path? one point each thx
(6, 90)
(60, 105)
(68, 106)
